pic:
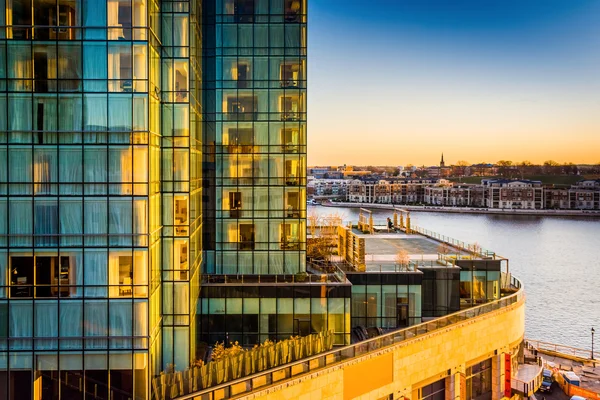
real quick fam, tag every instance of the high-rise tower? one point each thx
(100, 195)
(254, 284)
(255, 136)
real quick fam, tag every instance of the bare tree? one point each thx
(475, 248)
(403, 260)
(323, 236)
(443, 248)
(504, 167)
(461, 167)
(550, 166)
(524, 167)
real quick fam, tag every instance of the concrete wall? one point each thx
(400, 370)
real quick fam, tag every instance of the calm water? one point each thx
(557, 259)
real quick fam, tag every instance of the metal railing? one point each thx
(385, 268)
(470, 248)
(272, 279)
(332, 269)
(560, 349)
(336, 356)
(530, 386)
(527, 388)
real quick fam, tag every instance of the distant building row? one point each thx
(491, 193)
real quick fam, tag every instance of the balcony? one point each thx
(290, 116)
(290, 148)
(289, 84)
(239, 148)
(242, 116)
(291, 181)
(290, 243)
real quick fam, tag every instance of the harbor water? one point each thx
(556, 258)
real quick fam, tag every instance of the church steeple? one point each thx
(442, 163)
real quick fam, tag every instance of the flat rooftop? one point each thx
(382, 248)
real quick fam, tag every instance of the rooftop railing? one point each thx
(545, 347)
(468, 247)
(334, 277)
(266, 378)
(472, 248)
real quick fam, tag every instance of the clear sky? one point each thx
(392, 82)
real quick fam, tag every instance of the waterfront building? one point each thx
(556, 198)
(585, 195)
(514, 194)
(389, 191)
(100, 195)
(455, 194)
(461, 325)
(491, 193)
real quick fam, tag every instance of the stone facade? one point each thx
(397, 372)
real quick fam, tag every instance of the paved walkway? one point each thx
(527, 372)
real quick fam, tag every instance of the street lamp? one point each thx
(593, 342)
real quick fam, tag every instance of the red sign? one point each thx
(507, 375)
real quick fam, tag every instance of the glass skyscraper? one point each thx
(254, 77)
(100, 195)
(106, 107)
(254, 175)
(153, 198)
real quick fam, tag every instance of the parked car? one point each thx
(547, 380)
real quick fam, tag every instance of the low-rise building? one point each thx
(391, 191)
(514, 194)
(585, 195)
(448, 194)
(328, 187)
(520, 194)
(556, 198)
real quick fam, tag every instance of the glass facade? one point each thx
(441, 291)
(433, 391)
(250, 314)
(386, 301)
(254, 77)
(479, 281)
(100, 195)
(143, 142)
(479, 381)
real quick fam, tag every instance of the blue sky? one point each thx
(400, 81)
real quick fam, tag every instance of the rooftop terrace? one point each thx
(192, 386)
